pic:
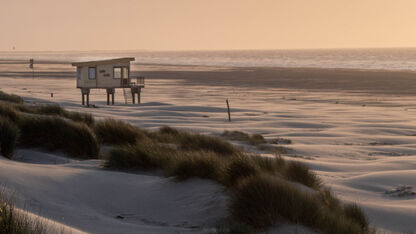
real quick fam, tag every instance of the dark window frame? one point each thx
(121, 72)
(95, 73)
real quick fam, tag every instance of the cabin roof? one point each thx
(101, 62)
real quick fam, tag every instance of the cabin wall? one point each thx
(81, 73)
(104, 76)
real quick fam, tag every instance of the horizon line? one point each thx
(207, 50)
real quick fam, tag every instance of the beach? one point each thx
(354, 127)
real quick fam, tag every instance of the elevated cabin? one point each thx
(108, 74)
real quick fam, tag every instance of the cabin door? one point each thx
(125, 76)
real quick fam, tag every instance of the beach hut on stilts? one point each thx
(108, 74)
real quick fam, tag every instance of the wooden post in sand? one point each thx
(228, 108)
(31, 62)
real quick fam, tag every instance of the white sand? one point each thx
(360, 151)
(83, 196)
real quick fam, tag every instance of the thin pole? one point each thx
(228, 109)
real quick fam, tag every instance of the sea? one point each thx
(378, 59)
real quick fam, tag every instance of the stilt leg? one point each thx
(138, 98)
(88, 99)
(83, 99)
(112, 98)
(133, 97)
(108, 98)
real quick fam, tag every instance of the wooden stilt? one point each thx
(133, 97)
(85, 92)
(112, 98)
(108, 98)
(138, 97)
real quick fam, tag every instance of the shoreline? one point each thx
(312, 79)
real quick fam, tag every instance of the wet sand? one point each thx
(381, 82)
(347, 80)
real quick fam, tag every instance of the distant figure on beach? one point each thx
(31, 61)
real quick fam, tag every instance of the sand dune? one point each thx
(83, 196)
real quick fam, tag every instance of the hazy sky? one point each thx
(208, 24)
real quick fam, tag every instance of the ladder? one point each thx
(127, 95)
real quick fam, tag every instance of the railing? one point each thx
(134, 81)
(140, 80)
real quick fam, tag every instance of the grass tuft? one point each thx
(354, 212)
(10, 97)
(206, 143)
(13, 222)
(55, 110)
(240, 167)
(142, 156)
(117, 132)
(299, 172)
(55, 133)
(254, 139)
(204, 165)
(273, 165)
(169, 130)
(8, 112)
(262, 201)
(193, 142)
(8, 137)
(257, 139)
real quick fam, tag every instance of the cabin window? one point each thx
(79, 73)
(92, 73)
(117, 72)
(125, 73)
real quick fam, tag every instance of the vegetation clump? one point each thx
(117, 132)
(142, 156)
(8, 112)
(238, 168)
(207, 143)
(10, 97)
(259, 141)
(55, 133)
(194, 142)
(9, 133)
(262, 201)
(55, 110)
(299, 172)
(204, 165)
(254, 139)
(13, 222)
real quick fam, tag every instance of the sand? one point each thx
(356, 129)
